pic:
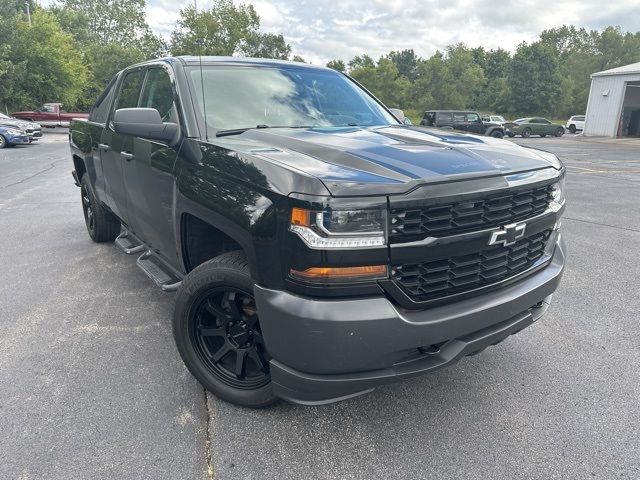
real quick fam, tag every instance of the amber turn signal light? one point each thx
(300, 216)
(341, 273)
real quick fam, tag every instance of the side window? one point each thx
(48, 109)
(445, 119)
(100, 109)
(459, 117)
(472, 117)
(158, 94)
(130, 90)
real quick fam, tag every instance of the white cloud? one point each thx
(320, 30)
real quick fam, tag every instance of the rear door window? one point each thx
(459, 117)
(100, 109)
(445, 118)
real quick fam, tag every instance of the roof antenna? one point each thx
(200, 42)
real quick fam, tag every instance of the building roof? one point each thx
(624, 70)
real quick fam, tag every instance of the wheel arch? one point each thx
(79, 165)
(221, 237)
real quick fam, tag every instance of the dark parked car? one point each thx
(10, 135)
(465, 121)
(319, 248)
(534, 126)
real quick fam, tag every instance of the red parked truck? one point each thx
(50, 115)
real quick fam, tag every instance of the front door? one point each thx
(475, 124)
(149, 179)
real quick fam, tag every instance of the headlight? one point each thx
(340, 228)
(558, 191)
(13, 131)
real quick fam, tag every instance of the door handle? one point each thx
(103, 146)
(127, 156)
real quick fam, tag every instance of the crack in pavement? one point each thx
(207, 441)
(51, 167)
(601, 224)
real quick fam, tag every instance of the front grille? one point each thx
(474, 214)
(440, 278)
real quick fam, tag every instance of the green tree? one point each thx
(384, 81)
(361, 61)
(267, 45)
(111, 21)
(337, 65)
(225, 29)
(534, 80)
(298, 58)
(406, 61)
(46, 64)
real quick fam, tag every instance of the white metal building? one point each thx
(613, 109)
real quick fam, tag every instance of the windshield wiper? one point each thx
(238, 131)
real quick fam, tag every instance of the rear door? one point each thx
(460, 121)
(148, 177)
(117, 150)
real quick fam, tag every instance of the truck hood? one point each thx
(354, 160)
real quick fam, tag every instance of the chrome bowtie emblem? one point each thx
(508, 234)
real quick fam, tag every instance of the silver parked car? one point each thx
(34, 130)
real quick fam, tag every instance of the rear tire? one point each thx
(102, 225)
(526, 133)
(217, 332)
(573, 129)
(559, 132)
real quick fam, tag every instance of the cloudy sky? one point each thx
(320, 30)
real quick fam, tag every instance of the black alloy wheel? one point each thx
(225, 333)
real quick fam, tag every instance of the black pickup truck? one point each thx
(318, 247)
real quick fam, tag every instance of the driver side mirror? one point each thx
(145, 123)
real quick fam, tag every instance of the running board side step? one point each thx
(157, 270)
(129, 243)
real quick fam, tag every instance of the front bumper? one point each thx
(328, 350)
(18, 140)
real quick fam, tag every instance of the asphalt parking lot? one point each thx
(91, 385)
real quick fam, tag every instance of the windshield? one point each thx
(250, 97)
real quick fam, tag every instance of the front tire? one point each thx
(542, 135)
(3, 141)
(526, 133)
(511, 135)
(497, 134)
(217, 332)
(101, 224)
(559, 132)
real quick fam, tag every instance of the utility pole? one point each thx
(28, 12)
